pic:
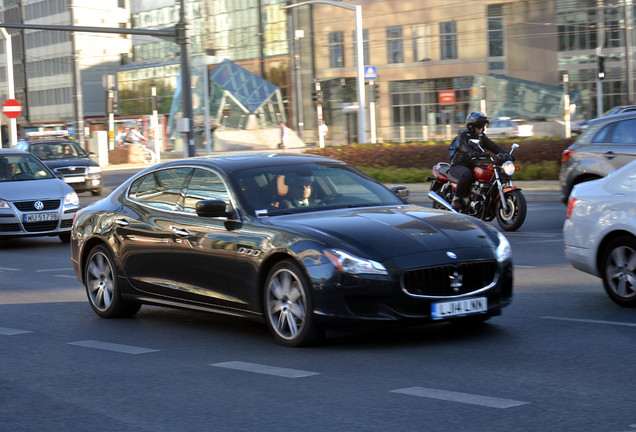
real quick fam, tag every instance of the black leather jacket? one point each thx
(466, 150)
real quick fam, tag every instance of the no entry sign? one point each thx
(12, 108)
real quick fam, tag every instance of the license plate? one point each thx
(76, 179)
(41, 217)
(459, 307)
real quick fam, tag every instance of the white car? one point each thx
(33, 201)
(600, 232)
(506, 128)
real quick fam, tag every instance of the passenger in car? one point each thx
(293, 191)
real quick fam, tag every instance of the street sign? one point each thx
(370, 72)
(446, 96)
(12, 108)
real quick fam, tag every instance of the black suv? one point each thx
(67, 159)
(605, 145)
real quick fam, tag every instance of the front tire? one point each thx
(618, 271)
(102, 286)
(287, 305)
(512, 219)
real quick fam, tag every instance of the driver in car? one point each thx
(293, 191)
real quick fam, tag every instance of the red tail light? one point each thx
(566, 155)
(571, 203)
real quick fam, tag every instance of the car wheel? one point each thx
(618, 271)
(65, 237)
(102, 286)
(287, 305)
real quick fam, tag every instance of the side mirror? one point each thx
(213, 208)
(514, 147)
(401, 191)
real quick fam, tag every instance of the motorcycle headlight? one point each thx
(71, 200)
(508, 167)
(504, 252)
(351, 264)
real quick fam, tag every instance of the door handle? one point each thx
(122, 222)
(179, 231)
(609, 155)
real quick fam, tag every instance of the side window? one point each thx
(604, 135)
(203, 185)
(624, 132)
(159, 189)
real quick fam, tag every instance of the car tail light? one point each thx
(571, 203)
(566, 155)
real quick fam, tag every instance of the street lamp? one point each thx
(360, 58)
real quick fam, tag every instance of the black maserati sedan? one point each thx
(303, 243)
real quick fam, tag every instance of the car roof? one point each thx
(232, 162)
(612, 118)
(4, 151)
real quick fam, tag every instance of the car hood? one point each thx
(389, 232)
(57, 163)
(24, 190)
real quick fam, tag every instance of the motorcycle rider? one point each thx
(463, 161)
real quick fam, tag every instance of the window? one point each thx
(204, 185)
(448, 39)
(421, 47)
(336, 49)
(495, 31)
(159, 189)
(394, 44)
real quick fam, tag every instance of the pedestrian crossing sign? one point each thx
(370, 72)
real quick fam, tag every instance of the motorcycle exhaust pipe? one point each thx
(438, 199)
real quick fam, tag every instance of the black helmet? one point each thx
(476, 119)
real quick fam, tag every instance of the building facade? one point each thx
(57, 71)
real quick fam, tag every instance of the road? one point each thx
(559, 359)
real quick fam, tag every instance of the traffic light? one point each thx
(376, 93)
(314, 96)
(319, 97)
(601, 68)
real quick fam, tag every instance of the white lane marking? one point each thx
(54, 270)
(616, 323)
(127, 349)
(466, 398)
(65, 276)
(264, 369)
(8, 269)
(10, 332)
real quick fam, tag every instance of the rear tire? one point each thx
(512, 219)
(618, 271)
(102, 286)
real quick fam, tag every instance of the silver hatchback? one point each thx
(607, 144)
(33, 201)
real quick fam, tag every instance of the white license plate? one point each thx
(76, 179)
(459, 307)
(41, 217)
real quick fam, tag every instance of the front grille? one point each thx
(72, 171)
(11, 227)
(450, 280)
(66, 223)
(40, 226)
(29, 206)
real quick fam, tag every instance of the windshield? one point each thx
(308, 187)
(57, 150)
(18, 167)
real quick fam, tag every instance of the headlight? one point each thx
(508, 167)
(348, 263)
(94, 169)
(504, 252)
(4, 204)
(71, 199)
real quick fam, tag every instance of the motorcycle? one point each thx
(492, 181)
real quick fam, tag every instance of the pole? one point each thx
(372, 111)
(321, 137)
(600, 24)
(362, 133)
(77, 84)
(566, 102)
(628, 51)
(183, 39)
(298, 75)
(206, 105)
(8, 50)
(155, 124)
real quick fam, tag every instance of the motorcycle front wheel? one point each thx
(512, 218)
